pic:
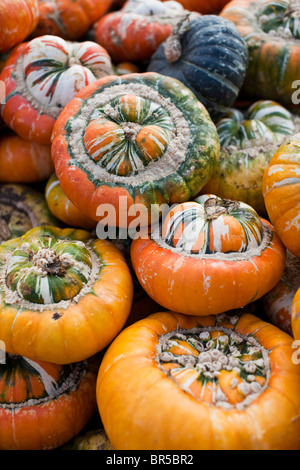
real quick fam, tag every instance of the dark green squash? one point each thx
(209, 56)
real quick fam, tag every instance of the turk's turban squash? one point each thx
(64, 296)
(248, 141)
(42, 76)
(200, 383)
(44, 405)
(209, 256)
(271, 29)
(69, 19)
(141, 137)
(209, 56)
(18, 18)
(135, 32)
(281, 191)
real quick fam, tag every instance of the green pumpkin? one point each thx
(248, 140)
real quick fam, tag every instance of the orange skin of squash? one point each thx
(18, 18)
(203, 6)
(53, 423)
(64, 209)
(24, 162)
(87, 326)
(138, 44)
(141, 408)
(76, 17)
(282, 317)
(18, 113)
(179, 282)
(281, 191)
(296, 315)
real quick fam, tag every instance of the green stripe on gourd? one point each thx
(248, 142)
(264, 122)
(283, 15)
(47, 270)
(201, 226)
(124, 148)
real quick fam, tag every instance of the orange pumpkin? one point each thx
(44, 405)
(296, 315)
(64, 296)
(173, 382)
(69, 19)
(209, 256)
(134, 33)
(203, 6)
(277, 303)
(18, 18)
(24, 162)
(281, 191)
(63, 208)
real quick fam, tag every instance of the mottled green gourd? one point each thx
(283, 15)
(248, 140)
(47, 270)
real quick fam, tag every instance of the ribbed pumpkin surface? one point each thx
(43, 405)
(213, 62)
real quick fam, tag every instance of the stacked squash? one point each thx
(149, 224)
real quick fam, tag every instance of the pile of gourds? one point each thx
(149, 224)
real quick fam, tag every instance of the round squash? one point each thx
(281, 191)
(62, 208)
(42, 76)
(69, 19)
(271, 31)
(209, 56)
(21, 209)
(24, 162)
(209, 256)
(135, 32)
(18, 18)
(133, 143)
(277, 303)
(248, 142)
(44, 405)
(203, 6)
(172, 382)
(64, 296)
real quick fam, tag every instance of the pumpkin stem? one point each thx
(173, 47)
(216, 207)
(131, 130)
(74, 61)
(51, 263)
